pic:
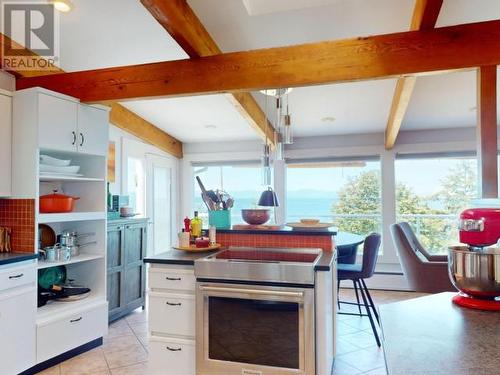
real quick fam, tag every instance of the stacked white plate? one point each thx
(53, 166)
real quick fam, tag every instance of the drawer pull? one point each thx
(173, 278)
(174, 304)
(16, 276)
(174, 349)
(75, 320)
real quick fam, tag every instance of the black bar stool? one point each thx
(358, 273)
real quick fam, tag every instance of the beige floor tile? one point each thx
(126, 357)
(138, 369)
(362, 339)
(89, 363)
(121, 343)
(364, 360)
(345, 329)
(55, 370)
(139, 328)
(342, 368)
(344, 347)
(119, 328)
(138, 316)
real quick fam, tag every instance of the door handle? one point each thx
(173, 278)
(74, 138)
(261, 292)
(82, 139)
(16, 276)
(174, 349)
(174, 304)
(75, 320)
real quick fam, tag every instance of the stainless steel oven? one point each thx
(245, 329)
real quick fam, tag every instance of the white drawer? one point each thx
(70, 331)
(172, 279)
(171, 356)
(172, 314)
(16, 276)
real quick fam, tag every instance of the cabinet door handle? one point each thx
(75, 320)
(74, 138)
(82, 138)
(174, 349)
(16, 276)
(174, 304)
(173, 278)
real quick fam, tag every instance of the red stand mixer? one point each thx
(475, 269)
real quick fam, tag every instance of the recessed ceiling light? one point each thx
(276, 92)
(62, 5)
(328, 119)
(210, 126)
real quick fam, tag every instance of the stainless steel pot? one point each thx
(476, 273)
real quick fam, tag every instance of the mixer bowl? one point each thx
(476, 273)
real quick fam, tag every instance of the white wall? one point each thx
(7, 81)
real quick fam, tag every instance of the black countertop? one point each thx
(431, 335)
(7, 258)
(185, 258)
(282, 231)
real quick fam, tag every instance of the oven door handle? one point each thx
(261, 292)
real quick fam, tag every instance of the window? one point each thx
(431, 192)
(345, 192)
(241, 180)
(136, 184)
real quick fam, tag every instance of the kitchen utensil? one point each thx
(5, 234)
(57, 203)
(256, 216)
(51, 276)
(53, 169)
(195, 249)
(51, 161)
(51, 253)
(230, 203)
(310, 227)
(204, 195)
(46, 236)
(64, 253)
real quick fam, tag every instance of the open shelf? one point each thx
(71, 216)
(58, 178)
(52, 308)
(75, 259)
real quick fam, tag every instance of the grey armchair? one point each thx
(425, 272)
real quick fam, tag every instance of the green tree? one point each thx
(458, 187)
(360, 195)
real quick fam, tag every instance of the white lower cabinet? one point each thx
(68, 331)
(17, 330)
(171, 356)
(172, 320)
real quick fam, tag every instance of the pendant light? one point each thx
(268, 197)
(62, 5)
(287, 124)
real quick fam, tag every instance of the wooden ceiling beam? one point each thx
(179, 20)
(487, 131)
(425, 15)
(367, 58)
(120, 116)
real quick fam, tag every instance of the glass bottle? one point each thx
(196, 225)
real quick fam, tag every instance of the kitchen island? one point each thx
(431, 335)
(294, 294)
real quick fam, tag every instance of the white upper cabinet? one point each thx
(57, 123)
(92, 130)
(5, 144)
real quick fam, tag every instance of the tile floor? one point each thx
(125, 348)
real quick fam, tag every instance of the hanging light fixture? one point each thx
(62, 5)
(287, 124)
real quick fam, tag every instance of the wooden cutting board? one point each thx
(256, 227)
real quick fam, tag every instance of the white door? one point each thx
(57, 122)
(159, 207)
(93, 125)
(5, 144)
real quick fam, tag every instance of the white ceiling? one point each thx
(192, 119)
(120, 32)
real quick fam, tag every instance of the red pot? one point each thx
(57, 203)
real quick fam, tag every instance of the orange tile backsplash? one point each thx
(19, 215)
(276, 240)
